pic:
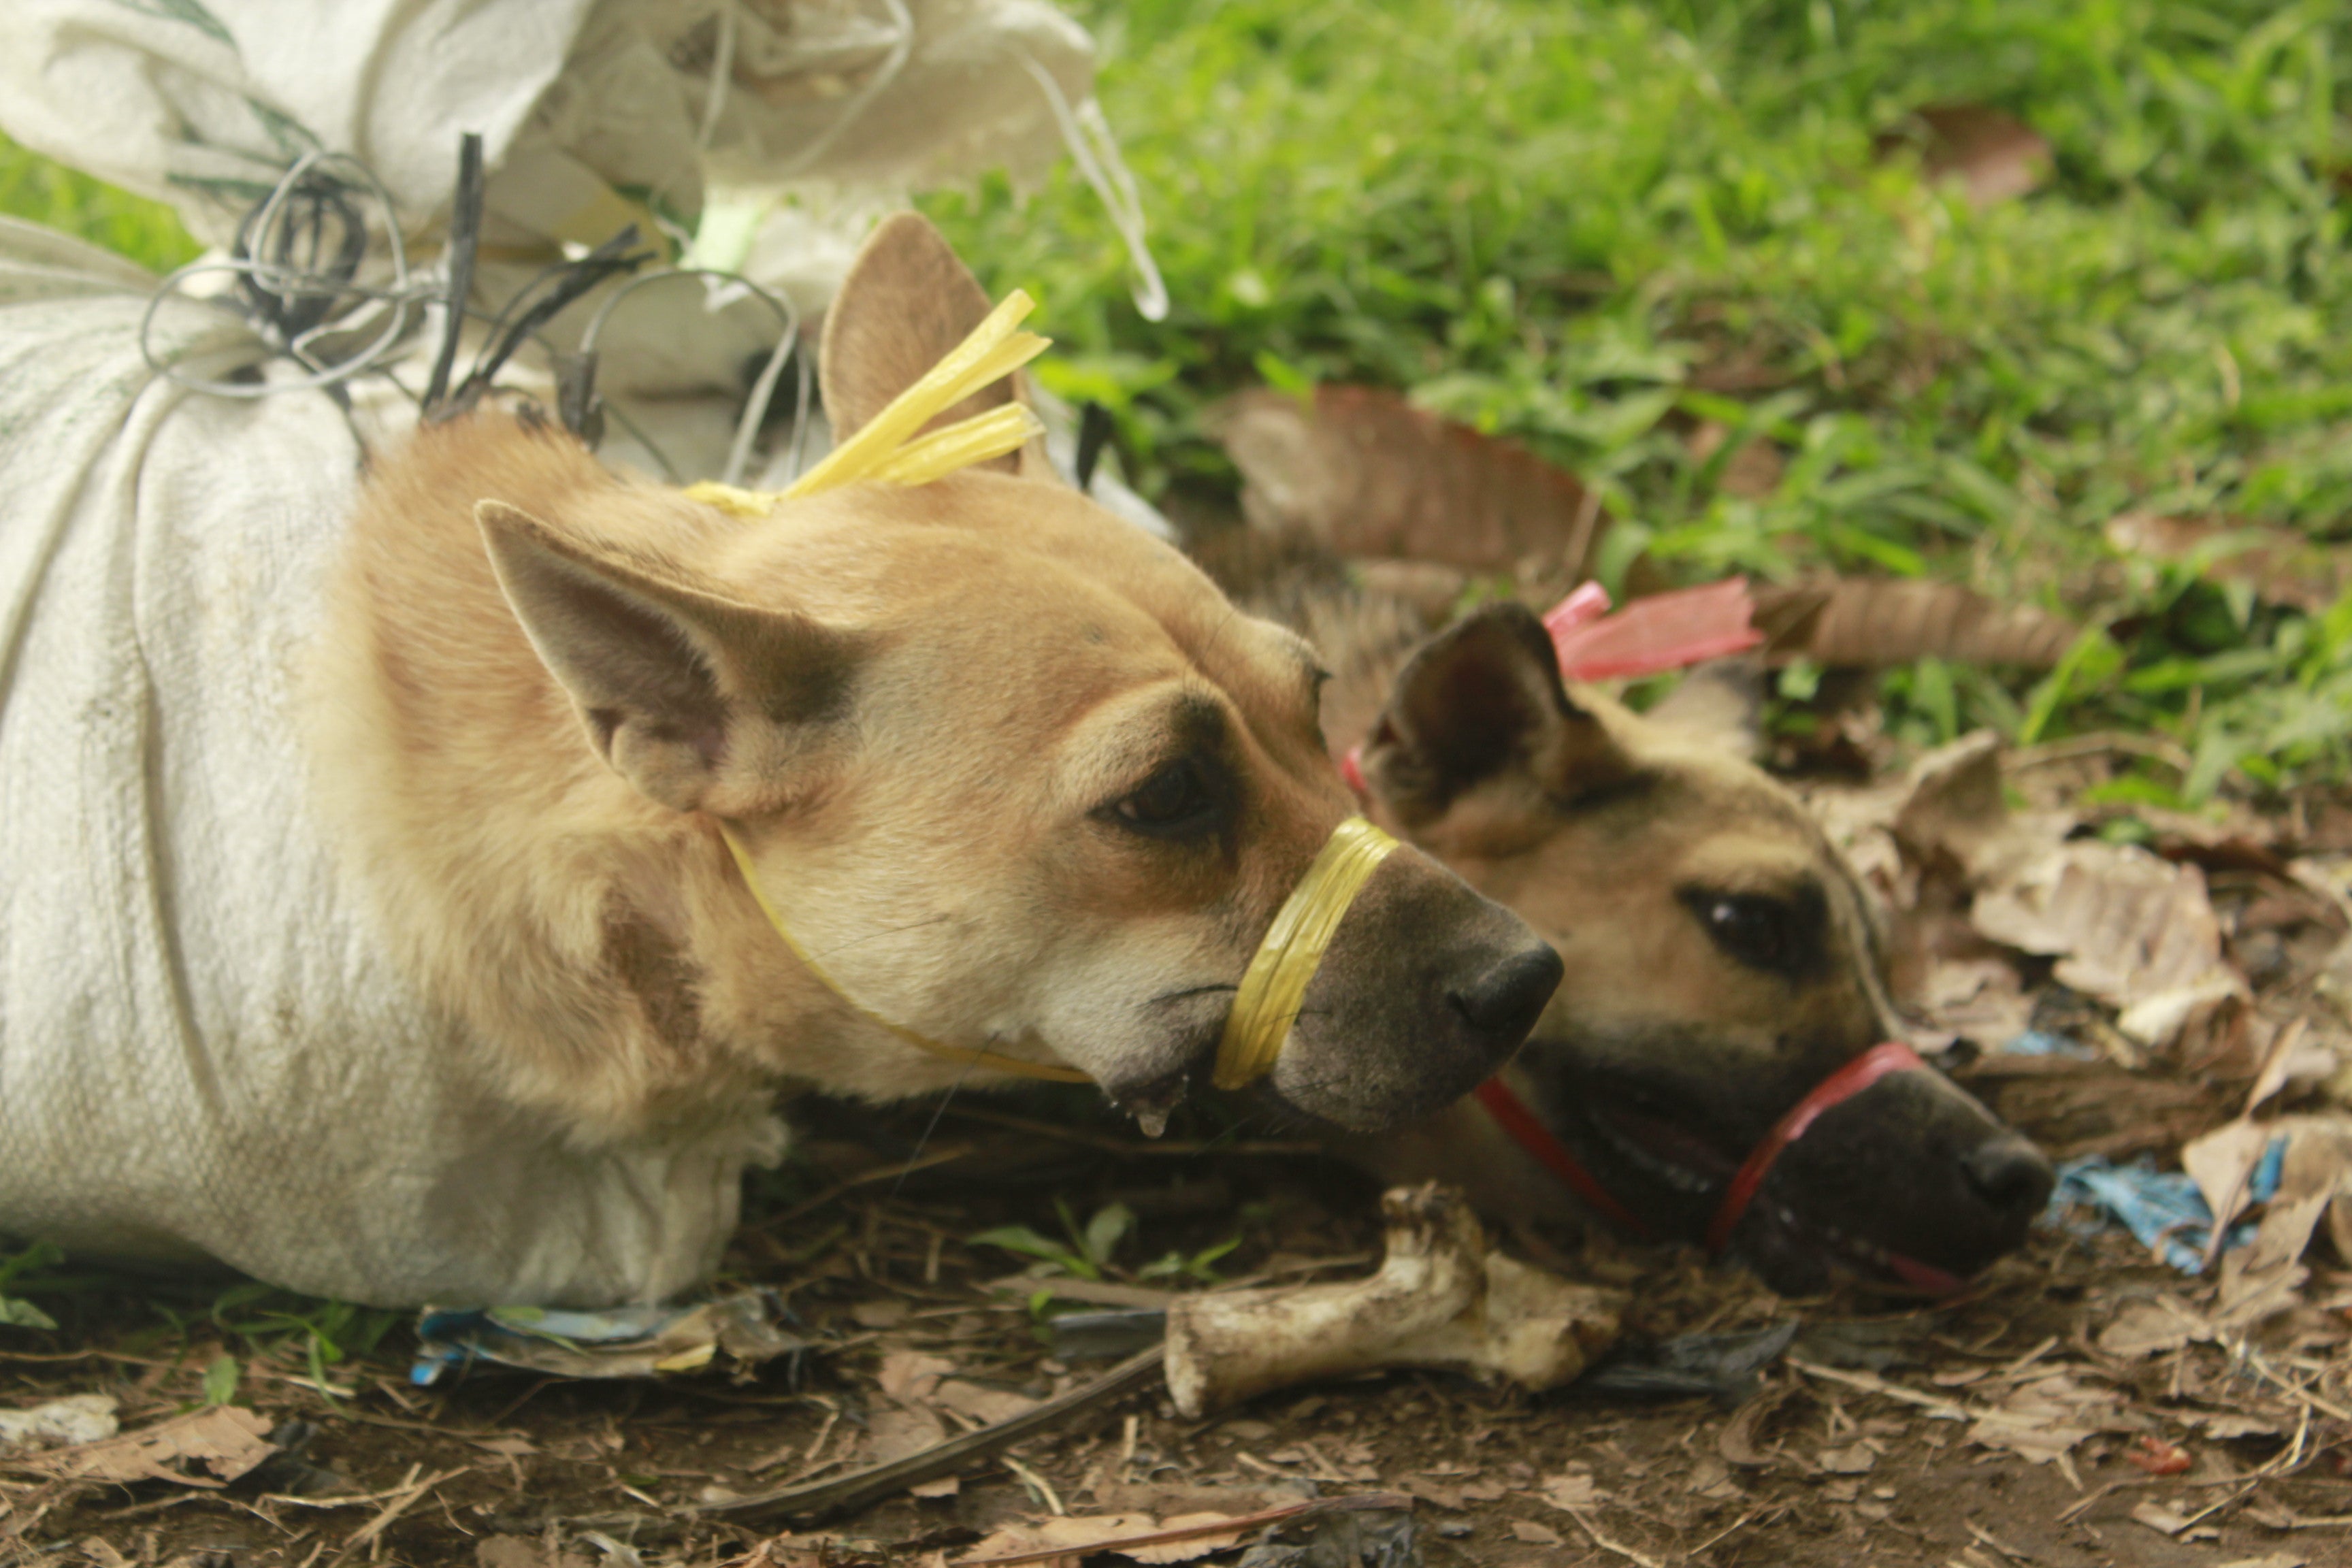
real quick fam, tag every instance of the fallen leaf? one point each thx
(1106, 1531)
(1873, 622)
(2274, 1560)
(885, 1313)
(1370, 475)
(946, 1485)
(225, 1440)
(979, 1401)
(901, 1430)
(1855, 1459)
(2126, 927)
(1573, 1491)
(2041, 1421)
(2280, 564)
(1535, 1534)
(1183, 1550)
(2160, 1519)
(2223, 1162)
(2143, 1328)
(911, 1376)
(1996, 156)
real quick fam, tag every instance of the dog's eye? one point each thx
(1763, 933)
(1174, 801)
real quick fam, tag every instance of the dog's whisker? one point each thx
(887, 932)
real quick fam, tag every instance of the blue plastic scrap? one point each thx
(621, 1341)
(2163, 1208)
(2044, 1043)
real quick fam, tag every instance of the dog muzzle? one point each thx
(1526, 1129)
(1272, 992)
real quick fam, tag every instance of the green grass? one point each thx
(1565, 220)
(1590, 224)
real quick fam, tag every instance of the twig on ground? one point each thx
(1607, 1544)
(1036, 1483)
(366, 1534)
(878, 1481)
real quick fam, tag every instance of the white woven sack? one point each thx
(202, 1053)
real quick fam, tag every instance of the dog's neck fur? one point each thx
(548, 905)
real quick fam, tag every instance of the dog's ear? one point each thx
(906, 302)
(702, 703)
(1483, 700)
(1720, 702)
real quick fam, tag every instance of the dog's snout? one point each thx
(1505, 1000)
(2010, 1173)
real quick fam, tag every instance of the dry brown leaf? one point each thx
(2143, 1328)
(1367, 474)
(1875, 621)
(911, 1376)
(901, 1430)
(2159, 1518)
(1854, 1459)
(981, 1403)
(224, 1441)
(2280, 564)
(2043, 1420)
(1106, 1531)
(2223, 1162)
(1573, 1491)
(1996, 156)
(1535, 1534)
(2131, 928)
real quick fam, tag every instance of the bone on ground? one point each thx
(1440, 1300)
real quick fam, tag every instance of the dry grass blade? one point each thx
(1873, 621)
(1367, 474)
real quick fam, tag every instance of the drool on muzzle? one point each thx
(1272, 992)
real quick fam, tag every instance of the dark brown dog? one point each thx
(1721, 962)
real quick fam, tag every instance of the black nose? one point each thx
(2010, 1173)
(1505, 1001)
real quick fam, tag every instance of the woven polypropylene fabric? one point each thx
(202, 1053)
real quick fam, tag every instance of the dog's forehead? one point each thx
(1029, 562)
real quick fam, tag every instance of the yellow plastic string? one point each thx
(993, 350)
(991, 1060)
(886, 451)
(1273, 987)
(960, 444)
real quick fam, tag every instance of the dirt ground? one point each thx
(2081, 1405)
(1856, 1448)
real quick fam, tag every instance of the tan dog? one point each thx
(1018, 776)
(1721, 962)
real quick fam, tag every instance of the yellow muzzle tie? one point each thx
(886, 451)
(1273, 987)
